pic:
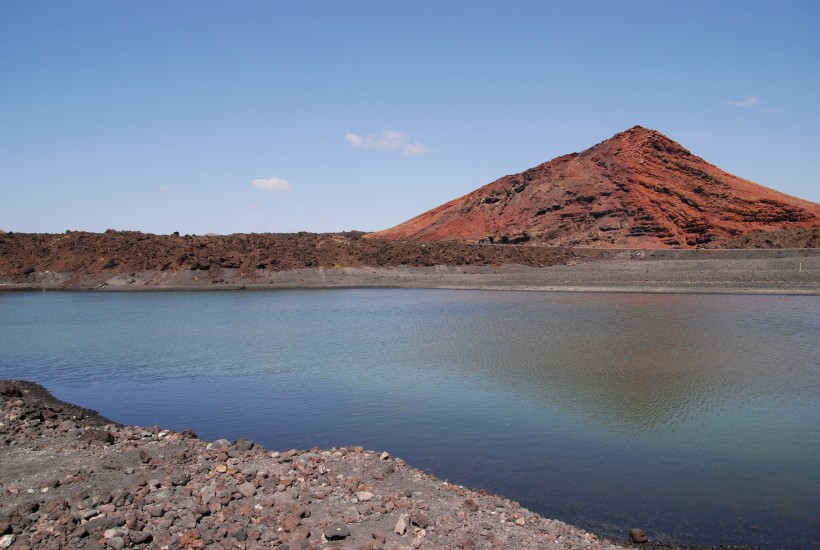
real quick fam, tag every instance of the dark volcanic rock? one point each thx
(336, 531)
(78, 257)
(10, 389)
(98, 436)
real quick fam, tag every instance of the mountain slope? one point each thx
(638, 189)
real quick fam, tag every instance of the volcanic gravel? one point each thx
(72, 479)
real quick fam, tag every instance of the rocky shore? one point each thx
(125, 260)
(73, 479)
(795, 271)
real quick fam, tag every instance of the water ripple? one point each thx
(692, 416)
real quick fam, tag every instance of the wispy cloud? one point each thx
(387, 140)
(272, 184)
(415, 148)
(748, 101)
(164, 189)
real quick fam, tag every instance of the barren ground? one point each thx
(73, 479)
(138, 261)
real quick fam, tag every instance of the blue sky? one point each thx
(226, 117)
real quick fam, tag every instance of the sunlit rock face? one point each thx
(638, 189)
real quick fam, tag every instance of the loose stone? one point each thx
(638, 536)
(336, 531)
(401, 525)
(218, 445)
(247, 489)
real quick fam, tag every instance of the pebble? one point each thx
(247, 489)
(337, 531)
(401, 525)
(66, 425)
(139, 537)
(638, 536)
(420, 519)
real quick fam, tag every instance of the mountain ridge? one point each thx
(638, 189)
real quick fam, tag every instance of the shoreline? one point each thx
(74, 478)
(779, 271)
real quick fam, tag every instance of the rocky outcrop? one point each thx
(638, 189)
(34, 258)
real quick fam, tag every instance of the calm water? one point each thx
(696, 418)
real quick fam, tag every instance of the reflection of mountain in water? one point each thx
(650, 362)
(632, 363)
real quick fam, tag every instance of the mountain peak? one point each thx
(644, 139)
(638, 189)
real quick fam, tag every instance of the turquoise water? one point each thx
(694, 417)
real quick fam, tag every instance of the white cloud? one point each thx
(272, 184)
(748, 101)
(163, 189)
(354, 139)
(387, 140)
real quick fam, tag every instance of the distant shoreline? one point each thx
(772, 271)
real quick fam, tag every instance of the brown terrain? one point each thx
(81, 256)
(789, 262)
(638, 189)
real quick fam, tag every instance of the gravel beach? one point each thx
(774, 271)
(73, 479)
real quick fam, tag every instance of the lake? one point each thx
(694, 417)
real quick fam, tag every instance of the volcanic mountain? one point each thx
(637, 189)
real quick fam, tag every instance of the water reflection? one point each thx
(645, 364)
(633, 364)
(694, 415)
